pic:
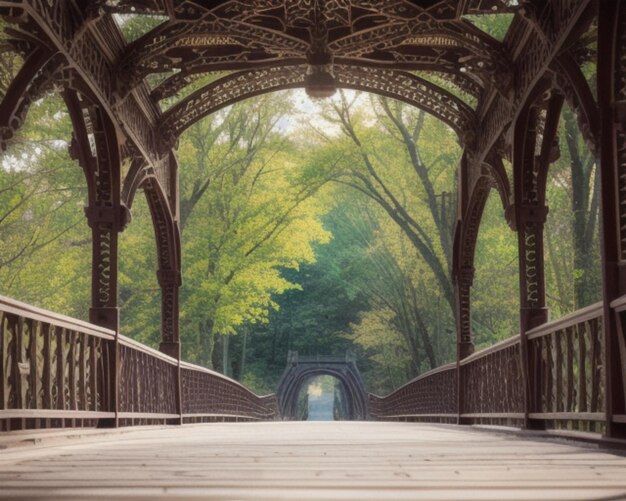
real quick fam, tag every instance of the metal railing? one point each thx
(564, 388)
(429, 397)
(61, 372)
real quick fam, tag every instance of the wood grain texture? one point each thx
(305, 461)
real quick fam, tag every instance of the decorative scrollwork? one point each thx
(399, 85)
(40, 73)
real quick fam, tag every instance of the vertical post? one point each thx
(170, 282)
(106, 223)
(530, 218)
(463, 277)
(465, 345)
(612, 103)
(462, 289)
(533, 310)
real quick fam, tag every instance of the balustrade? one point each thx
(62, 372)
(567, 371)
(54, 369)
(210, 396)
(492, 386)
(565, 389)
(429, 397)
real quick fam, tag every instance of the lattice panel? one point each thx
(205, 393)
(147, 383)
(432, 395)
(493, 384)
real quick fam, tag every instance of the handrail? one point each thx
(14, 307)
(490, 350)
(577, 317)
(619, 304)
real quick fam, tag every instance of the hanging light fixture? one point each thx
(319, 82)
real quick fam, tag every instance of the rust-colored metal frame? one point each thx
(519, 86)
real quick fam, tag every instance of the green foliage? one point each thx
(495, 25)
(573, 274)
(246, 215)
(495, 294)
(139, 291)
(44, 237)
(134, 26)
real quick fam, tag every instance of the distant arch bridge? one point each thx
(301, 369)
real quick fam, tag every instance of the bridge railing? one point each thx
(430, 397)
(563, 390)
(55, 369)
(209, 396)
(492, 385)
(61, 372)
(566, 364)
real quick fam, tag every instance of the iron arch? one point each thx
(399, 85)
(300, 370)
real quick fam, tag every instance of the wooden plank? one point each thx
(574, 416)
(305, 461)
(51, 413)
(145, 415)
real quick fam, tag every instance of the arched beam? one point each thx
(574, 86)
(233, 88)
(464, 249)
(37, 74)
(136, 175)
(149, 52)
(502, 183)
(405, 33)
(169, 262)
(445, 68)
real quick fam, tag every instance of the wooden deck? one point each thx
(304, 461)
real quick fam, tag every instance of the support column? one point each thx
(465, 344)
(533, 310)
(170, 282)
(462, 290)
(106, 223)
(612, 104)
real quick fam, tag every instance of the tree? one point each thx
(245, 214)
(44, 238)
(572, 240)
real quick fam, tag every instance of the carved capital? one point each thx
(531, 214)
(119, 217)
(107, 317)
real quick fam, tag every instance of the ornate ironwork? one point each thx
(429, 397)
(373, 45)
